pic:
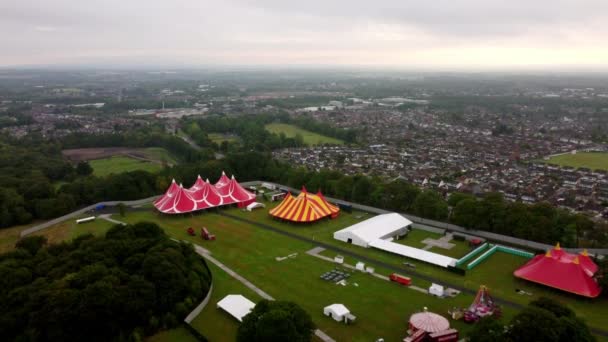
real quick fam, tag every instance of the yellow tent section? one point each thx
(304, 208)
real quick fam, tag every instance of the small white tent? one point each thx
(339, 313)
(236, 305)
(255, 205)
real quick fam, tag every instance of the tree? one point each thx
(121, 209)
(534, 324)
(547, 320)
(488, 329)
(99, 289)
(84, 169)
(276, 321)
(31, 243)
(429, 204)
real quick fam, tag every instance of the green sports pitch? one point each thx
(590, 160)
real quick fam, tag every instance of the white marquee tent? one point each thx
(236, 305)
(377, 227)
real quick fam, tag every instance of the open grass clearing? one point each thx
(10, 236)
(115, 165)
(590, 160)
(310, 138)
(496, 272)
(219, 138)
(68, 230)
(224, 326)
(174, 335)
(382, 307)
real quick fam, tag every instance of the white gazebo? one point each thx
(236, 305)
(339, 313)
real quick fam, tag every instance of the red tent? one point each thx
(561, 270)
(223, 181)
(205, 194)
(176, 201)
(233, 192)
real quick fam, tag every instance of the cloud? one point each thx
(382, 32)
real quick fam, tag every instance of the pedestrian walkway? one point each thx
(109, 219)
(207, 255)
(315, 252)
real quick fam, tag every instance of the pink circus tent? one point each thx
(203, 195)
(176, 200)
(233, 192)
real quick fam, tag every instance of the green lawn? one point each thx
(496, 272)
(68, 230)
(160, 154)
(382, 307)
(174, 335)
(310, 138)
(218, 138)
(591, 160)
(224, 326)
(106, 166)
(415, 237)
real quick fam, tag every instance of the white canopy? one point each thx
(377, 227)
(337, 309)
(255, 205)
(414, 253)
(236, 305)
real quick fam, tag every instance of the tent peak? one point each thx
(557, 247)
(576, 260)
(173, 181)
(585, 253)
(548, 254)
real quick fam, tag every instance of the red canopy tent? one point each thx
(203, 195)
(176, 201)
(223, 181)
(561, 270)
(233, 192)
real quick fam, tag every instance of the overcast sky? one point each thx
(444, 34)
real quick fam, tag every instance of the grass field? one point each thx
(68, 230)
(310, 138)
(496, 272)
(218, 138)
(174, 335)
(415, 237)
(10, 236)
(160, 154)
(382, 307)
(590, 160)
(107, 166)
(224, 326)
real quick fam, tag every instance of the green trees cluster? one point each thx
(542, 320)
(538, 222)
(276, 321)
(125, 286)
(253, 135)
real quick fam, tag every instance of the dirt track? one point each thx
(79, 154)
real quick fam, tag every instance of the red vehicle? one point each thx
(398, 278)
(206, 235)
(190, 231)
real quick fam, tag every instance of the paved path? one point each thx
(315, 252)
(207, 255)
(109, 219)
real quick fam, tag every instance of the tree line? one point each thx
(121, 287)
